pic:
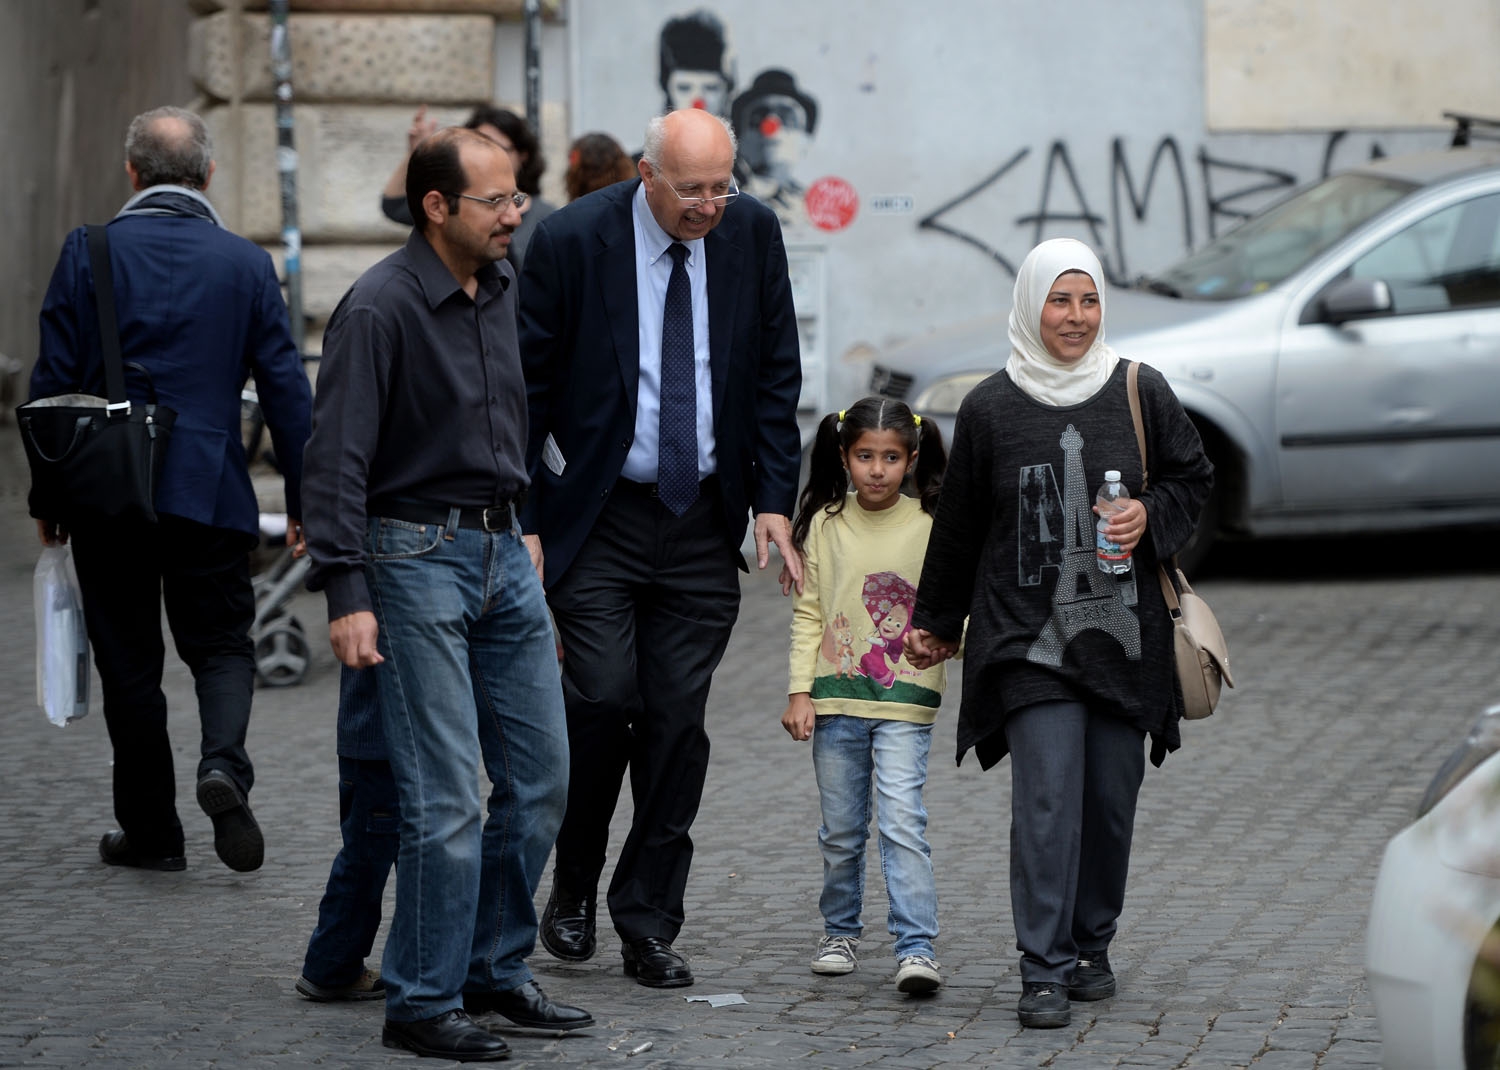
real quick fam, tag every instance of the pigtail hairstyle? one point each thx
(827, 482)
(932, 460)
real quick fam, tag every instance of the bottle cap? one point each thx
(1111, 476)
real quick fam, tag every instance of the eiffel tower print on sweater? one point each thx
(1085, 597)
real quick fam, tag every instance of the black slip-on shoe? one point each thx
(116, 850)
(567, 926)
(653, 963)
(530, 1008)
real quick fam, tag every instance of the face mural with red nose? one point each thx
(704, 90)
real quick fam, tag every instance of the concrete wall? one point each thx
(360, 70)
(949, 139)
(74, 72)
(72, 75)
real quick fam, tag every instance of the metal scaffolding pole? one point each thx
(533, 15)
(286, 165)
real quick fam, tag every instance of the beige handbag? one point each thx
(1202, 655)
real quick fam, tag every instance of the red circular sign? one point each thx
(831, 203)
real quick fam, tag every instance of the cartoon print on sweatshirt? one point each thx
(889, 600)
(880, 674)
(1084, 597)
(838, 645)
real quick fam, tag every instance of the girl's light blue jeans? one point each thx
(849, 755)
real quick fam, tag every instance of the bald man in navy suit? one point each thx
(660, 348)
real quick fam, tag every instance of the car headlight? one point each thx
(943, 397)
(1482, 741)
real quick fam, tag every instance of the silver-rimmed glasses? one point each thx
(690, 201)
(498, 203)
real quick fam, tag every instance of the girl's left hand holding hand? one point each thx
(799, 718)
(1128, 525)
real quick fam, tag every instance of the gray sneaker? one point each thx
(917, 974)
(835, 954)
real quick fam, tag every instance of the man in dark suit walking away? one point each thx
(198, 309)
(662, 370)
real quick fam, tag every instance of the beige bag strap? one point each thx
(1133, 391)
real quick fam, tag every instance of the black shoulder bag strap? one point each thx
(109, 330)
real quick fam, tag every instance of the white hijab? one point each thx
(1031, 367)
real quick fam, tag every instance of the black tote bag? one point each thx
(96, 458)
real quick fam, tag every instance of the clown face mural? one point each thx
(775, 121)
(696, 64)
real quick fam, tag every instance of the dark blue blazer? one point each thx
(581, 351)
(200, 309)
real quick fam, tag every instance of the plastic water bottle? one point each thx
(1111, 499)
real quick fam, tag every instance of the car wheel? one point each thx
(1195, 550)
(1482, 1008)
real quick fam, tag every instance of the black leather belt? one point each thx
(484, 518)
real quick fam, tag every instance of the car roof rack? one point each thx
(1464, 128)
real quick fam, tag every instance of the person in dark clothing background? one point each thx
(1067, 668)
(513, 134)
(199, 309)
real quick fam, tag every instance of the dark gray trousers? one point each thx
(1075, 776)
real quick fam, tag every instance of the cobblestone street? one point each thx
(1241, 944)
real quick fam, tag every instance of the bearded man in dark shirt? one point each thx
(415, 473)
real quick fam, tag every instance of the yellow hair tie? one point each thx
(841, 415)
(917, 420)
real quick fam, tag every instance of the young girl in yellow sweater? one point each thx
(868, 712)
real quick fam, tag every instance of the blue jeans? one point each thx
(470, 677)
(847, 753)
(349, 915)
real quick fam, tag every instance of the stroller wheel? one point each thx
(281, 654)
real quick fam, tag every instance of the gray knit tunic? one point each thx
(1012, 548)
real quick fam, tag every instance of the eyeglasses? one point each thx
(698, 202)
(498, 203)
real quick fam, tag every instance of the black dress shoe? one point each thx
(653, 963)
(529, 1007)
(116, 850)
(237, 838)
(448, 1036)
(567, 929)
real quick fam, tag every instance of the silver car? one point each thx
(1339, 353)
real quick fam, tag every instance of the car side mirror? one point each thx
(1353, 299)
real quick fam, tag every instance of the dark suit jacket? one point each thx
(581, 352)
(200, 309)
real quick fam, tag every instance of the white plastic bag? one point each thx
(62, 642)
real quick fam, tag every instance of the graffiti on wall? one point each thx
(773, 116)
(1226, 191)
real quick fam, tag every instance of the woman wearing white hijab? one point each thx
(1067, 668)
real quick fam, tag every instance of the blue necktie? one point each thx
(677, 434)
